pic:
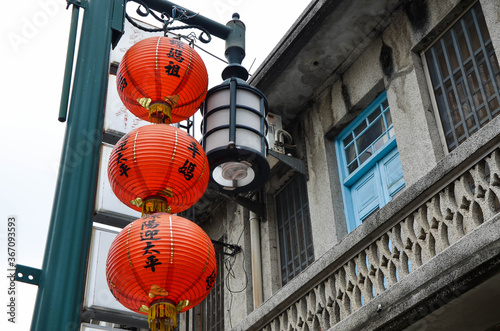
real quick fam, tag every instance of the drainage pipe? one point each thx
(258, 293)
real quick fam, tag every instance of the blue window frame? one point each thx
(369, 165)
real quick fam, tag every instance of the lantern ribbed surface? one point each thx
(158, 167)
(161, 259)
(163, 77)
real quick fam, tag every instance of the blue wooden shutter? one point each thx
(392, 174)
(366, 195)
(377, 187)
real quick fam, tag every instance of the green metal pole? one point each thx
(61, 285)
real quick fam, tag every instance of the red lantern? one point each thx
(162, 80)
(158, 168)
(161, 265)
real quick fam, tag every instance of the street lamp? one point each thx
(234, 125)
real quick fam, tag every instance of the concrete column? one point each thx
(491, 10)
(321, 168)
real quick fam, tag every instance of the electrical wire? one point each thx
(213, 55)
(229, 264)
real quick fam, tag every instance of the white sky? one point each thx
(33, 51)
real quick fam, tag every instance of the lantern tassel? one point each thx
(155, 205)
(160, 112)
(162, 316)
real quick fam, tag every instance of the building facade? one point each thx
(391, 107)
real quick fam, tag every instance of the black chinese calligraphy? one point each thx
(172, 69)
(193, 147)
(149, 234)
(176, 54)
(187, 169)
(122, 82)
(120, 159)
(211, 280)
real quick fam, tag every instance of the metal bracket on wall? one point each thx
(78, 3)
(257, 207)
(27, 274)
(117, 22)
(294, 163)
(235, 249)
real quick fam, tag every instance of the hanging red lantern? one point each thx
(158, 168)
(162, 80)
(161, 265)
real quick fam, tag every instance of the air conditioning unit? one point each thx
(274, 122)
(278, 139)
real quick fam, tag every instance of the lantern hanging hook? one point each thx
(204, 31)
(191, 39)
(179, 13)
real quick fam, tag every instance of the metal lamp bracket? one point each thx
(258, 208)
(294, 163)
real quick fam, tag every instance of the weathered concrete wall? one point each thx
(362, 80)
(319, 192)
(491, 11)
(271, 271)
(229, 223)
(418, 140)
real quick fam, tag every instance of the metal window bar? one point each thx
(461, 79)
(209, 314)
(299, 232)
(474, 55)
(488, 53)
(454, 87)
(309, 247)
(286, 235)
(294, 225)
(439, 86)
(214, 303)
(287, 241)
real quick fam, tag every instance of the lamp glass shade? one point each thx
(233, 174)
(234, 136)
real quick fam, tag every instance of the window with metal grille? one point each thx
(209, 314)
(465, 77)
(294, 228)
